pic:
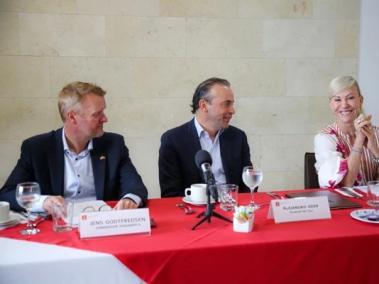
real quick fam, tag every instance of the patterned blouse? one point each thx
(332, 148)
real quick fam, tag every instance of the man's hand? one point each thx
(125, 203)
(50, 201)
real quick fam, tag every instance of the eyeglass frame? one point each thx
(104, 207)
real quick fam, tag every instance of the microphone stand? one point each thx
(208, 213)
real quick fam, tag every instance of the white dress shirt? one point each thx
(213, 147)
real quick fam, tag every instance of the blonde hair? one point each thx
(342, 83)
(72, 94)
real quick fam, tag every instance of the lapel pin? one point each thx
(102, 158)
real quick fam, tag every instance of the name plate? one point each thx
(299, 209)
(115, 222)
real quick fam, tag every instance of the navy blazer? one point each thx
(42, 160)
(177, 168)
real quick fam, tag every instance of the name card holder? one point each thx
(299, 209)
(115, 222)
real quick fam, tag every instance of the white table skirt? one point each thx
(29, 262)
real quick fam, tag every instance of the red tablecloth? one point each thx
(337, 250)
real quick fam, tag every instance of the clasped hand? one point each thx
(364, 128)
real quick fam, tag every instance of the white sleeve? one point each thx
(330, 165)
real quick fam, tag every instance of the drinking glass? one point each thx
(252, 178)
(373, 196)
(62, 216)
(228, 196)
(27, 194)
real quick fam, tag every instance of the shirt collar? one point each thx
(67, 149)
(199, 128)
(201, 131)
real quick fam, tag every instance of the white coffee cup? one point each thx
(197, 193)
(4, 211)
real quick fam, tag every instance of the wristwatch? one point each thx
(375, 159)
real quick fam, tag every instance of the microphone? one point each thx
(203, 161)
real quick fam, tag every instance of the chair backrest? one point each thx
(310, 174)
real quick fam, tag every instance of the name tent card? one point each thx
(115, 222)
(299, 209)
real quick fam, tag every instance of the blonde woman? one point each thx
(347, 151)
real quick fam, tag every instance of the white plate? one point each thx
(11, 221)
(188, 200)
(361, 215)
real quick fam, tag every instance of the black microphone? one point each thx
(203, 161)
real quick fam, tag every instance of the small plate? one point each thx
(361, 215)
(188, 200)
(11, 221)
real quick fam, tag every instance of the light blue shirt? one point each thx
(78, 174)
(213, 147)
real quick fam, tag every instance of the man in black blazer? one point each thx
(79, 160)
(213, 106)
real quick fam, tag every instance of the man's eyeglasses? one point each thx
(104, 207)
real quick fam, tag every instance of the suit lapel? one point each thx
(226, 153)
(193, 147)
(195, 143)
(98, 166)
(56, 163)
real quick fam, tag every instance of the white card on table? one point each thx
(115, 222)
(299, 209)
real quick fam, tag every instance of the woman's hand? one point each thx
(368, 131)
(360, 123)
(365, 127)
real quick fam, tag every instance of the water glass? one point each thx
(62, 216)
(252, 178)
(373, 195)
(27, 195)
(228, 196)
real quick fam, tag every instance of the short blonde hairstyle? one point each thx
(342, 83)
(72, 94)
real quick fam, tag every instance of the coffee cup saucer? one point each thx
(13, 219)
(188, 200)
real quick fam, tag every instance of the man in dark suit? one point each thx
(80, 160)
(213, 106)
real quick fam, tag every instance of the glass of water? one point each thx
(373, 196)
(252, 178)
(27, 194)
(228, 196)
